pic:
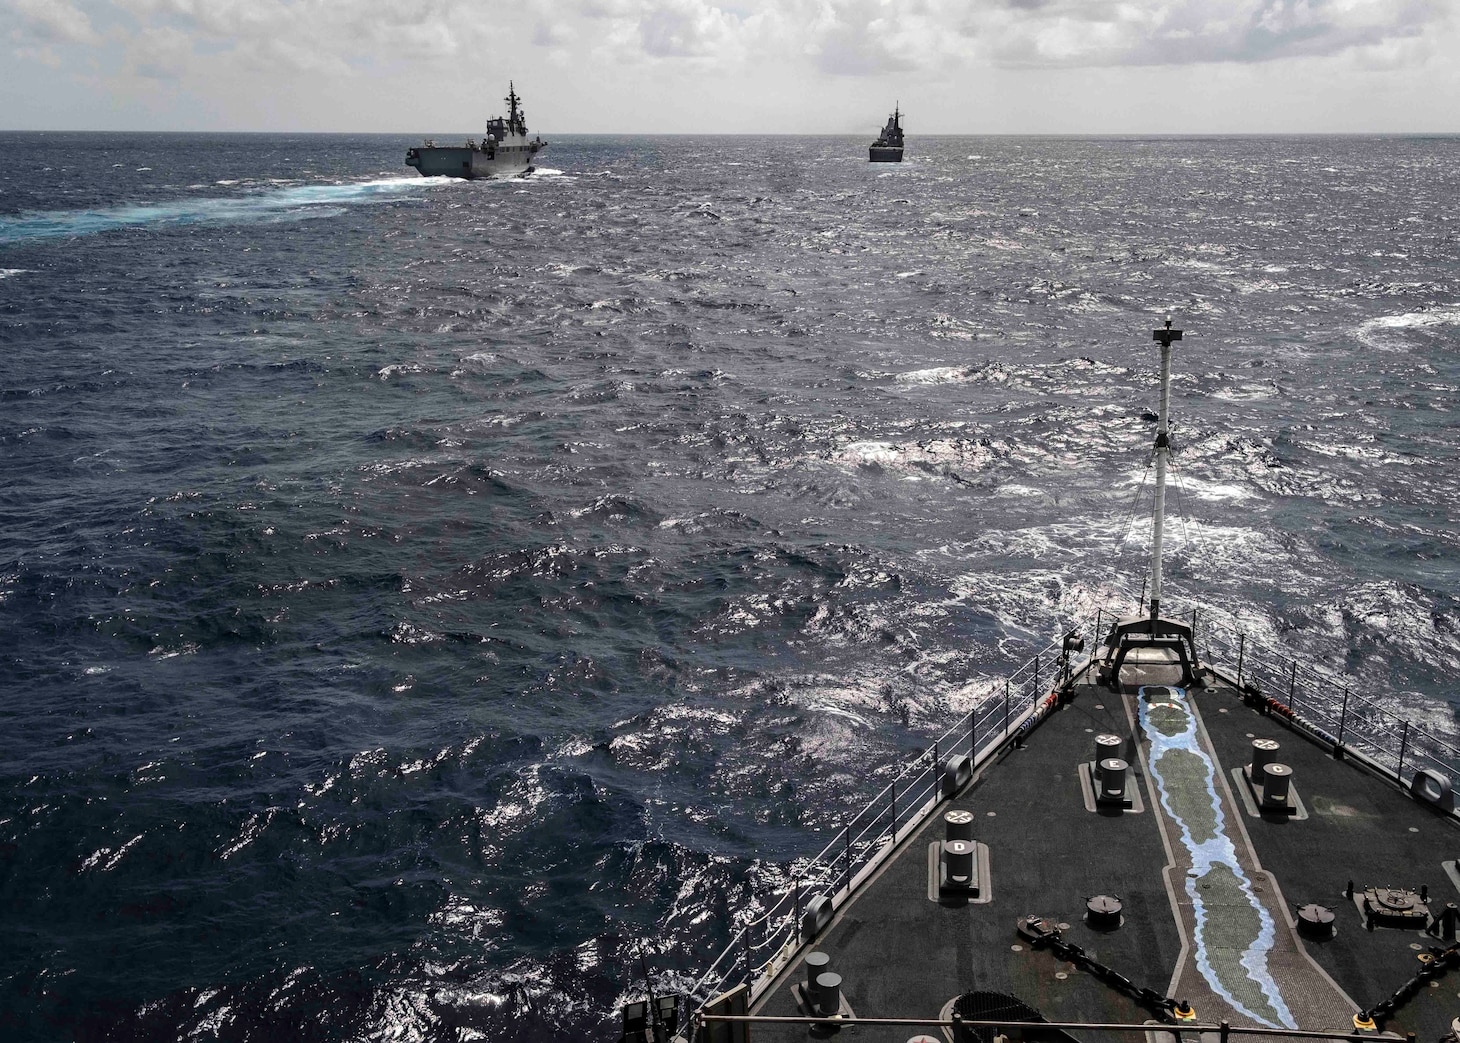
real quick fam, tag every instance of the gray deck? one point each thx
(901, 954)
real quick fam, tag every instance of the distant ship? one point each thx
(503, 152)
(888, 146)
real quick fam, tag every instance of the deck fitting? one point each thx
(1102, 913)
(1316, 922)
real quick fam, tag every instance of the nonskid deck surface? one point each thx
(1209, 888)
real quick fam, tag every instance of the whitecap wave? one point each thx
(1388, 331)
(934, 375)
(395, 369)
(994, 373)
(946, 457)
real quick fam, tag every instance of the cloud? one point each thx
(56, 21)
(1073, 33)
(866, 37)
(549, 34)
(837, 37)
(879, 37)
(325, 35)
(685, 28)
(159, 54)
(632, 30)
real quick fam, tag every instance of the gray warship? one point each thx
(1179, 837)
(888, 146)
(504, 150)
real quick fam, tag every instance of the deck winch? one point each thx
(1394, 907)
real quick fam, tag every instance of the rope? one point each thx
(1181, 504)
(1130, 524)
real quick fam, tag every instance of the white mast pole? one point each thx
(1164, 337)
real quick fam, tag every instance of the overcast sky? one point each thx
(736, 66)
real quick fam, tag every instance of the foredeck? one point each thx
(1208, 883)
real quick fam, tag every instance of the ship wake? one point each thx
(249, 206)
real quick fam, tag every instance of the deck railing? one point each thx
(1332, 708)
(763, 945)
(1321, 704)
(1221, 1032)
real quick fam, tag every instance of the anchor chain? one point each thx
(1436, 962)
(1043, 935)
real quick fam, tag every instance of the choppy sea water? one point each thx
(420, 600)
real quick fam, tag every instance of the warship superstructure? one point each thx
(888, 146)
(504, 150)
(1179, 837)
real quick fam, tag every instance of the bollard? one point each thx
(1264, 752)
(828, 993)
(1275, 779)
(1112, 779)
(958, 825)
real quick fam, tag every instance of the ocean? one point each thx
(428, 607)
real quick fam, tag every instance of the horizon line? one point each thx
(788, 134)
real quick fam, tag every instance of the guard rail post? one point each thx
(796, 907)
(1342, 721)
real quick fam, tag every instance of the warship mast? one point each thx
(1149, 640)
(515, 118)
(1164, 337)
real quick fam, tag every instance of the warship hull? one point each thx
(888, 146)
(471, 163)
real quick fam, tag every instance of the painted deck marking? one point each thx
(1234, 931)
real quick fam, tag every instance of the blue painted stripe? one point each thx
(1208, 854)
